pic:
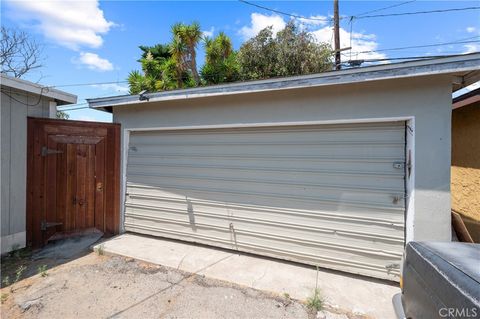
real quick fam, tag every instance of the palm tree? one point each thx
(189, 36)
(178, 51)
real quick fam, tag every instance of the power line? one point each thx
(419, 46)
(284, 13)
(384, 8)
(416, 12)
(27, 104)
(408, 58)
(86, 84)
(359, 17)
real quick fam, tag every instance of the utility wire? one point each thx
(27, 104)
(384, 8)
(86, 84)
(284, 13)
(417, 12)
(360, 17)
(409, 58)
(459, 41)
(419, 46)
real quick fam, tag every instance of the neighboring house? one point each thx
(466, 160)
(20, 99)
(338, 169)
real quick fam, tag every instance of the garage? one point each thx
(328, 195)
(338, 169)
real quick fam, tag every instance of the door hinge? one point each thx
(44, 225)
(46, 151)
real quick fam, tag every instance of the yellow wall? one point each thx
(465, 176)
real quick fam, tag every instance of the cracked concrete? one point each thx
(345, 292)
(118, 287)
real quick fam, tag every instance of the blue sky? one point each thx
(96, 42)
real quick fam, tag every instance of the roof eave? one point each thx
(456, 65)
(60, 97)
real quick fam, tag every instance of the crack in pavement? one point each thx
(168, 287)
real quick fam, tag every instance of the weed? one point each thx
(101, 250)
(19, 272)
(42, 270)
(4, 297)
(6, 281)
(286, 295)
(315, 302)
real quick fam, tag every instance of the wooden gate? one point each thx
(73, 178)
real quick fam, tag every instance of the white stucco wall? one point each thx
(427, 100)
(13, 174)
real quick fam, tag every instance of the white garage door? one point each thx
(327, 195)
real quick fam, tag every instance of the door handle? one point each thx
(81, 202)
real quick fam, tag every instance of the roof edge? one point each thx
(436, 66)
(23, 85)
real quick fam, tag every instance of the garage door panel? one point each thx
(369, 163)
(356, 197)
(378, 132)
(269, 150)
(331, 195)
(313, 224)
(313, 250)
(341, 178)
(152, 195)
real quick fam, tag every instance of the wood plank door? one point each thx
(70, 175)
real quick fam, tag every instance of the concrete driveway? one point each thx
(356, 296)
(96, 286)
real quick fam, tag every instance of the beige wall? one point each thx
(466, 165)
(427, 100)
(13, 128)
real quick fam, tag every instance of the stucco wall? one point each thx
(466, 165)
(427, 99)
(13, 130)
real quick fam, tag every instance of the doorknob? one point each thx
(99, 186)
(80, 202)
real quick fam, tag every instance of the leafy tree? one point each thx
(62, 115)
(220, 60)
(291, 52)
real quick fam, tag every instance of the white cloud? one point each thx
(94, 62)
(113, 87)
(314, 20)
(72, 24)
(471, 47)
(259, 22)
(209, 33)
(471, 29)
(361, 42)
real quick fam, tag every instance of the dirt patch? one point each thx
(115, 287)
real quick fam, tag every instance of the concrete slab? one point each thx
(68, 247)
(352, 293)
